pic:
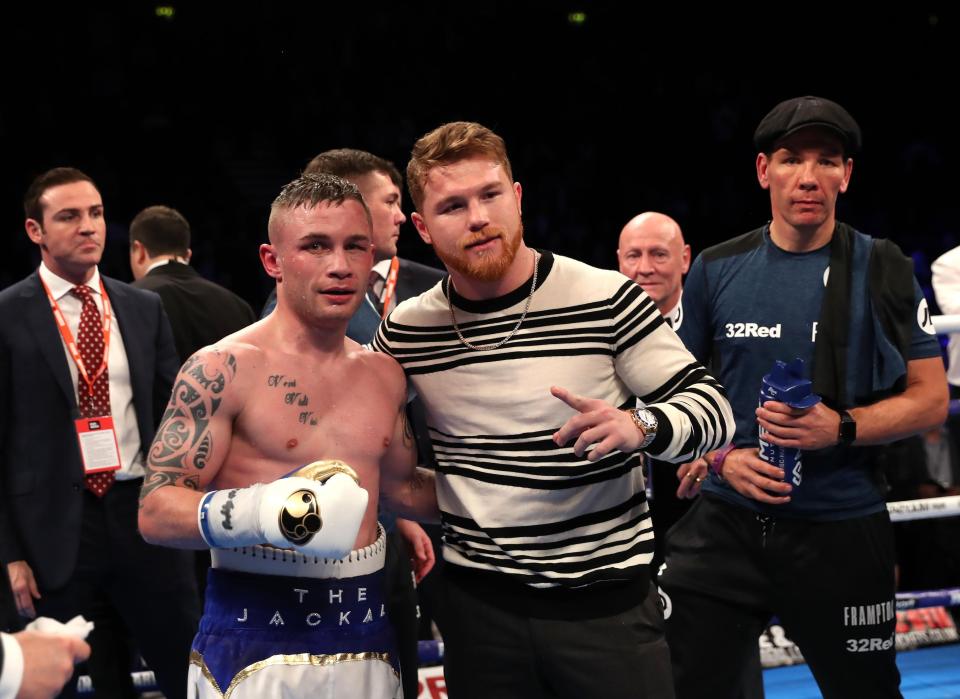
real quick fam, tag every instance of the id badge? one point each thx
(98, 444)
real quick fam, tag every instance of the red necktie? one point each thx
(90, 346)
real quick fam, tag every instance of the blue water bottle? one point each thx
(786, 384)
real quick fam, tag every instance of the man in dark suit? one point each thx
(380, 184)
(86, 365)
(200, 311)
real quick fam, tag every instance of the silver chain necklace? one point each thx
(487, 348)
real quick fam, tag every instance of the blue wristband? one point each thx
(204, 520)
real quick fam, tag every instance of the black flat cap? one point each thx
(800, 112)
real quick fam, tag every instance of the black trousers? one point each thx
(131, 588)
(492, 652)
(401, 600)
(831, 584)
(666, 509)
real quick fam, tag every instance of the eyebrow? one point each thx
(76, 209)
(325, 238)
(822, 150)
(454, 197)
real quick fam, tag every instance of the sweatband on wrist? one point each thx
(716, 463)
(230, 518)
(203, 523)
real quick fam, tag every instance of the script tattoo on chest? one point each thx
(184, 442)
(286, 385)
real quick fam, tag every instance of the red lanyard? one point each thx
(390, 286)
(72, 346)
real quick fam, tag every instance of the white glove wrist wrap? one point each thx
(231, 518)
(318, 519)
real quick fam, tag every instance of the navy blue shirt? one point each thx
(746, 305)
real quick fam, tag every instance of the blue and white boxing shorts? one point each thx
(279, 624)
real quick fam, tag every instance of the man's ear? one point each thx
(34, 230)
(421, 227)
(271, 261)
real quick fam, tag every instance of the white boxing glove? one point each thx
(316, 510)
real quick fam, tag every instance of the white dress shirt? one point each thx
(11, 674)
(382, 268)
(675, 317)
(166, 261)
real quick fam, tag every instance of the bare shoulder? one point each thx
(223, 369)
(248, 347)
(384, 366)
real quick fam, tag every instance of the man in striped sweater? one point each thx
(547, 533)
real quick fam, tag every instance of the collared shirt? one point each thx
(121, 391)
(166, 261)
(675, 316)
(381, 269)
(11, 674)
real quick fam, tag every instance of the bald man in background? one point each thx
(652, 253)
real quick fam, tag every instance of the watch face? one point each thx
(649, 422)
(848, 428)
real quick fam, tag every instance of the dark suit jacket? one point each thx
(10, 620)
(200, 311)
(41, 472)
(413, 279)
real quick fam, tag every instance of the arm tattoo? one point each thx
(184, 442)
(408, 438)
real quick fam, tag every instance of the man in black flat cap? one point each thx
(807, 538)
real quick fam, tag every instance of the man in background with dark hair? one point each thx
(200, 311)
(86, 364)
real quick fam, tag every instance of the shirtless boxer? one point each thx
(255, 407)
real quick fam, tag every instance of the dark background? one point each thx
(213, 109)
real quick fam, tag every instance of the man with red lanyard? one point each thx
(85, 363)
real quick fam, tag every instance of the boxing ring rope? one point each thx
(950, 597)
(946, 324)
(929, 508)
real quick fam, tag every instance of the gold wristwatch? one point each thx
(647, 423)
